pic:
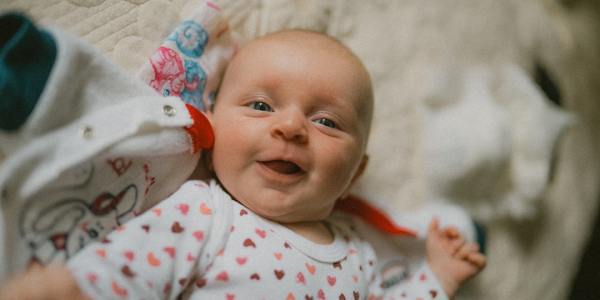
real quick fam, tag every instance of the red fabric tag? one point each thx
(373, 216)
(200, 132)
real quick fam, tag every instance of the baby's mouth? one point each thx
(283, 167)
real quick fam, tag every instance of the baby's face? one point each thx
(291, 124)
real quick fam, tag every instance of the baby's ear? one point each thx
(361, 168)
(209, 113)
(359, 171)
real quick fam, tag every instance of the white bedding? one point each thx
(428, 60)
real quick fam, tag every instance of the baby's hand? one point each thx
(451, 258)
(53, 282)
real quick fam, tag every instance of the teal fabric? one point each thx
(27, 55)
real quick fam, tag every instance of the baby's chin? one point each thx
(287, 216)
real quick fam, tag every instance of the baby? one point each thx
(291, 125)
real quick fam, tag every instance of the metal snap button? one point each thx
(169, 110)
(87, 132)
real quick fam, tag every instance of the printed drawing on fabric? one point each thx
(176, 67)
(55, 230)
(195, 81)
(393, 271)
(190, 38)
(168, 72)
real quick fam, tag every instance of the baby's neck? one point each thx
(315, 231)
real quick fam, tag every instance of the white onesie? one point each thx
(201, 244)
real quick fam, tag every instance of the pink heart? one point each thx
(190, 257)
(101, 253)
(300, 278)
(204, 209)
(184, 208)
(129, 255)
(241, 260)
(170, 251)
(92, 278)
(321, 294)
(199, 235)
(311, 268)
(223, 276)
(261, 233)
(118, 290)
(331, 280)
(157, 211)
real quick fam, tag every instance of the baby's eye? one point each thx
(259, 105)
(326, 122)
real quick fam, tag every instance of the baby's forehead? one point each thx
(314, 43)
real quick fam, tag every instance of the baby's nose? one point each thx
(291, 127)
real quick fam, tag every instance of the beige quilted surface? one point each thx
(400, 42)
(127, 31)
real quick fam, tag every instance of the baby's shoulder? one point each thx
(208, 194)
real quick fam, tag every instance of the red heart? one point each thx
(249, 243)
(243, 212)
(127, 271)
(182, 281)
(279, 274)
(200, 282)
(255, 276)
(177, 228)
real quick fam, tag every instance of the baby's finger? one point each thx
(466, 249)
(477, 259)
(451, 232)
(434, 226)
(456, 244)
